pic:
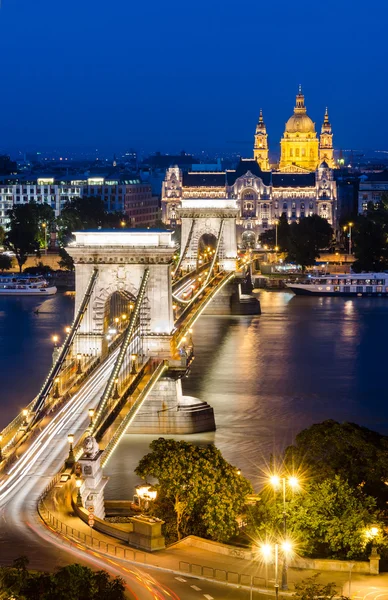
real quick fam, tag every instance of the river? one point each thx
(302, 361)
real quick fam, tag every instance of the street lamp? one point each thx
(55, 339)
(267, 550)
(293, 483)
(71, 458)
(44, 225)
(56, 388)
(79, 358)
(116, 394)
(146, 494)
(350, 238)
(78, 483)
(91, 415)
(25, 414)
(276, 232)
(133, 359)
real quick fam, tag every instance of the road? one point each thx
(20, 530)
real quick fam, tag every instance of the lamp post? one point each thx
(133, 368)
(146, 494)
(282, 482)
(267, 550)
(79, 358)
(56, 388)
(91, 415)
(55, 339)
(25, 414)
(71, 458)
(350, 238)
(44, 225)
(116, 394)
(78, 483)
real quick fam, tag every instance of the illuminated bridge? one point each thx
(130, 343)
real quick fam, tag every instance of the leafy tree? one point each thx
(66, 262)
(356, 453)
(268, 237)
(370, 238)
(2, 235)
(5, 262)
(327, 519)
(310, 589)
(283, 233)
(73, 582)
(202, 491)
(307, 238)
(23, 235)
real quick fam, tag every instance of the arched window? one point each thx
(302, 206)
(291, 152)
(297, 152)
(285, 205)
(303, 151)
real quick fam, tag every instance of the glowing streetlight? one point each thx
(146, 494)
(78, 483)
(67, 329)
(91, 415)
(267, 551)
(124, 317)
(71, 458)
(116, 394)
(25, 415)
(55, 339)
(79, 358)
(133, 359)
(44, 225)
(293, 483)
(56, 388)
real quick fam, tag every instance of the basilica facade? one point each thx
(302, 184)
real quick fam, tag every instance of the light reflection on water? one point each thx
(303, 360)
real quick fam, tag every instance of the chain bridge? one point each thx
(131, 342)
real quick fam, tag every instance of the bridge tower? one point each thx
(121, 258)
(209, 217)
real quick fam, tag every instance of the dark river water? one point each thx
(302, 361)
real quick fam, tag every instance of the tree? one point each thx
(73, 582)
(326, 519)
(310, 589)
(283, 233)
(5, 262)
(66, 262)
(202, 492)
(2, 235)
(370, 238)
(356, 453)
(23, 234)
(307, 238)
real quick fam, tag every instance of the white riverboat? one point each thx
(25, 285)
(354, 284)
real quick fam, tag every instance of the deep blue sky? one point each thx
(181, 74)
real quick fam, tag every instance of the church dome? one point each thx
(300, 123)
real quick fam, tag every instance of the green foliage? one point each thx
(307, 238)
(66, 262)
(196, 485)
(356, 453)
(5, 262)
(73, 582)
(326, 519)
(370, 238)
(2, 235)
(310, 589)
(25, 229)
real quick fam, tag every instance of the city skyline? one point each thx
(189, 77)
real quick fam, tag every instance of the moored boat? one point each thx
(354, 284)
(25, 285)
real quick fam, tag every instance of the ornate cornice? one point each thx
(122, 255)
(208, 213)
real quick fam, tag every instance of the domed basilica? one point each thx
(301, 184)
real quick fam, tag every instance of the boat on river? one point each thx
(25, 285)
(354, 284)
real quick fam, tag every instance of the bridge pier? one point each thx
(167, 410)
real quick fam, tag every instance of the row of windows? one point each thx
(301, 152)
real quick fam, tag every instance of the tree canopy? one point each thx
(356, 453)
(25, 232)
(307, 238)
(370, 238)
(201, 491)
(311, 589)
(73, 582)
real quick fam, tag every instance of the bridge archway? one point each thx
(121, 258)
(216, 218)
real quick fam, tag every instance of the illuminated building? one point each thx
(302, 185)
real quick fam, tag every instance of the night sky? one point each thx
(157, 75)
